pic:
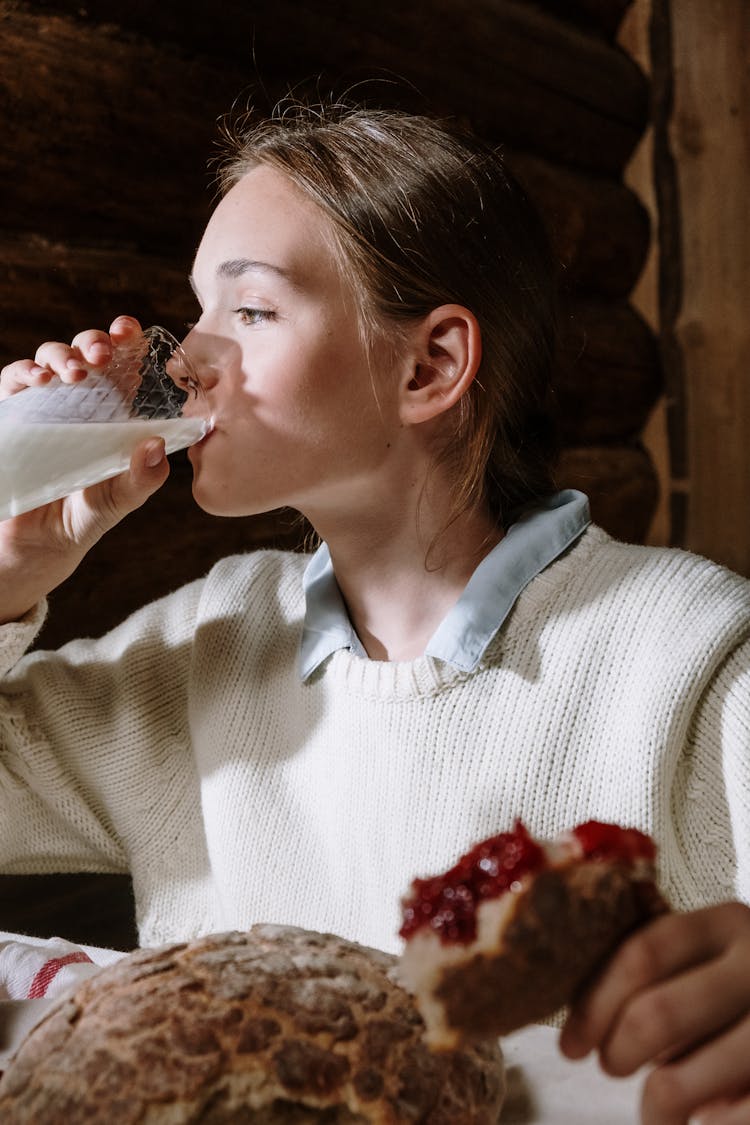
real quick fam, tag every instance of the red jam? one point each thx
(447, 904)
(610, 842)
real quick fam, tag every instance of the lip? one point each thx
(204, 439)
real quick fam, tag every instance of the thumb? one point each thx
(149, 468)
(113, 499)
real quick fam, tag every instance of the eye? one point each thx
(255, 316)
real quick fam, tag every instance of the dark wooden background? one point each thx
(110, 119)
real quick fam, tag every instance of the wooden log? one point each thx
(599, 228)
(621, 484)
(140, 133)
(50, 291)
(517, 73)
(608, 377)
(520, 75)
(602, 15)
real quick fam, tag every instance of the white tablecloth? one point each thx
(545, 1088)
(17, 1017)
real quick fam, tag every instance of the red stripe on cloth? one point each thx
(49, 971)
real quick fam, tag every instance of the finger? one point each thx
(719, 1069)
(723, 1113)
(670, 944)
(23, 373)
(90, 348)
(123, 328)
(93, 346)
(147, 456)
(149, 468)
(63, 360)
(108, 502)
(663, 1021)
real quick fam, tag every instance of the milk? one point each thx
(44, 461)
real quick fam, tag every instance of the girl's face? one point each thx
(297, 422)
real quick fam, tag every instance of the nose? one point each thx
(202, 357)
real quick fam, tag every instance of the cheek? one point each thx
(305, 383)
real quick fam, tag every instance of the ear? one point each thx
(444, 358)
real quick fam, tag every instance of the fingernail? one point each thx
(155, 454)
(122, 323)
(99, 352)
(75, 367)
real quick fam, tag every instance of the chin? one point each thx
(209, 503)
(212, 507)
(226, 506)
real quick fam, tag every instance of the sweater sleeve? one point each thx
(83, 726)
(17, 636)
(711, 795)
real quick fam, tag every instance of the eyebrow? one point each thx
(236, 267)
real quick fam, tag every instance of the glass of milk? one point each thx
(57, 438)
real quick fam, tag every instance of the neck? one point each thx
(399, 575)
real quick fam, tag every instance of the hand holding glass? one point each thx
(60, 437)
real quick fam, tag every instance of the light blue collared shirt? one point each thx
(529, 545)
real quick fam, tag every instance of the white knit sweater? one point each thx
(184, 748)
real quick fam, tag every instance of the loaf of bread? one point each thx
(512, 931)
(277, 1025)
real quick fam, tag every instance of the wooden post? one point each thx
(708, 305)
(634, 36)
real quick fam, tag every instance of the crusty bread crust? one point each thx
(277, 1026)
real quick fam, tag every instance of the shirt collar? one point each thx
(535, 540)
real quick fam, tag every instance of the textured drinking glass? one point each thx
(61, 437)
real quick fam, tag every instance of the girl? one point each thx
(293, 739)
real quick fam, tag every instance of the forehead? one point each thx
(264, 217)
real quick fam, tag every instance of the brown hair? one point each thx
(425, 214)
